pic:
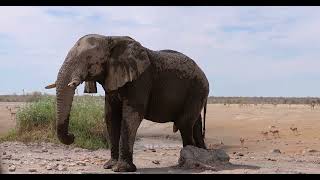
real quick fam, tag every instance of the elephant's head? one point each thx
(113, 61)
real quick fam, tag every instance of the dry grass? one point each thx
(36, 122)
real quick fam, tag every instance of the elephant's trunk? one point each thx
(67, 81)
(64, 103)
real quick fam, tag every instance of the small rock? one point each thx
(15, 159)
(77, 150)
(156, 162)
(44, 149)
(43, 164)
(12, 168)
(32, 170)
(312, 150)
(234, 152)
(275, 151)
(309, 151)
(269, 159)
(7, 157)
(62, 168)
(37, 151)
(72, 164)
(52, 166)
(152, 150)
(81, 163)
(49, 167)
(240, 154)
(4, 153)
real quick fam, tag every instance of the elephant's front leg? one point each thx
(113, 117)
(129, 126)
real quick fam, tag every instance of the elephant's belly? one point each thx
(167, 100)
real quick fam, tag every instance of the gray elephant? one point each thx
(139, 83)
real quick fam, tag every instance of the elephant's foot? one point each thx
(109, 164)
(122, 166)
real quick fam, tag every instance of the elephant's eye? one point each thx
(94, 69)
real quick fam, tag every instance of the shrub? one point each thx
(36, 122)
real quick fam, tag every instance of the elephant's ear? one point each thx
(128, 60)
(90, 87)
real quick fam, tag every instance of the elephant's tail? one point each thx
(204, 119)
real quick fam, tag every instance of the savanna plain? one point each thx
(259, 138)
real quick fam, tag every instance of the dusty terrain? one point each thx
(157, 148)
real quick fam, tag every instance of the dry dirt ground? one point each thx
(157, 148)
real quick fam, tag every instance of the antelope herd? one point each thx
(312, 104)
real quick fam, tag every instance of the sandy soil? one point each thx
(157, 148)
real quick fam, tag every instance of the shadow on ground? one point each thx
(178, 170)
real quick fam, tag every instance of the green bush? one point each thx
(36, 122)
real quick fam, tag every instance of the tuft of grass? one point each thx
(86, 122)
(37, 121)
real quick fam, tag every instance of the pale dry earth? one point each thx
(157, 148)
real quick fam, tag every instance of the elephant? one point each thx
(139, 83)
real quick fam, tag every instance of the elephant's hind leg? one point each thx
(186, 132)
(185, 125)
(188, 118)
(197, 134)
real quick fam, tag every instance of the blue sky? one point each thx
(244, 51)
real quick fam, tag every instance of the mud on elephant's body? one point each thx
(139, 83)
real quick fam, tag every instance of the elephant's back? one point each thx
(181, 65)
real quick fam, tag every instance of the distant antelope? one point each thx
(265, 133)
(13, 115)
(242, 142)
(312, 104)
(294, 130)
(275, 132)
(221, 143)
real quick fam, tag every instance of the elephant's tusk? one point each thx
(74, 83)
(50, 86)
